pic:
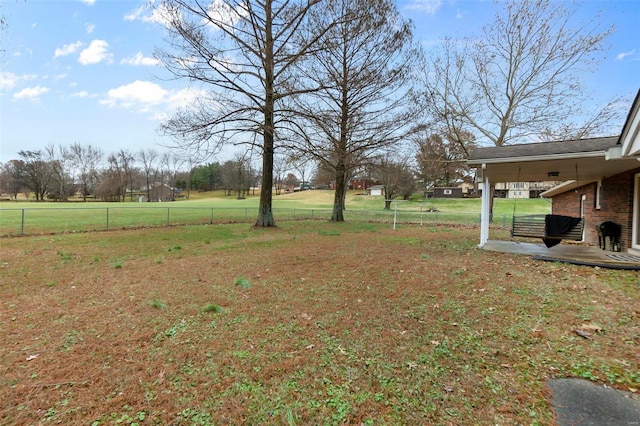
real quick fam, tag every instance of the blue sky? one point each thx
(83, 70)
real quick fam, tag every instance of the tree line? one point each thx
(59, 173)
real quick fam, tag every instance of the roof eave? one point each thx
(570, 156)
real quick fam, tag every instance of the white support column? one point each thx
(485, 214)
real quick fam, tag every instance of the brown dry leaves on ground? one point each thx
(308, 323)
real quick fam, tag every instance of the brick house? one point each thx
(600, 178)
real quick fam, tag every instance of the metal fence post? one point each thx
(107, 218)
(168, 215)
(211, 221)
(22, 224)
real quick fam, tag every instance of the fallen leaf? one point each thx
(32, 357)
(582, 334)
(590, 328)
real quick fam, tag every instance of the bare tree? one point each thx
(171, 164)
(519, 79)
(396, 177)
(85, 161)
(149, 158)
(441, 161)
(365, 69)
(322, 177)
(280, 167)
(37, 173)
(242, 51)
(126, 161)
(61, 180)
(14, 178)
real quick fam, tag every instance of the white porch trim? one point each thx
(485, 213)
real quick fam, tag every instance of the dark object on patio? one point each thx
(552, 228)
(609, 230)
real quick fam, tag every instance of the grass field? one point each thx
(17, 218)
(307, 323)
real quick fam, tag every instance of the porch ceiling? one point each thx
(537, 169)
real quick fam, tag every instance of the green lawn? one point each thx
(309, 323)
(17, 218)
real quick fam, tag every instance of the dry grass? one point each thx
(336, 323)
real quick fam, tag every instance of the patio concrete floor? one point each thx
(578, 254)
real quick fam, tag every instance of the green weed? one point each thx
(212, 307)
(158, 304)
(243, 282)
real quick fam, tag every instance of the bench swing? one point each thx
(551, 228)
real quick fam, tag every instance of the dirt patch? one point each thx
(331, 323)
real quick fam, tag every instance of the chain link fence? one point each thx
(46, 220)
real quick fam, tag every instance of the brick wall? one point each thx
(616, 205)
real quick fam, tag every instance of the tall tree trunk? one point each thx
(265, 213)
(339, 196)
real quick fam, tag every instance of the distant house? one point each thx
(447, 192)
(159, 192)
(520, 189)
(376, 190)
(467, 188)
(358, 183)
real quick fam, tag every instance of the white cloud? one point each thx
(89, 2)
(160, 14)
(7, 80)
(139, 59)
(160, 116)
(67, 49)
(31, 93)
(220, 11)
(429, 7)
(184, 98)
(135, 14)
(139, 95)
(90, 28)
(623, 55)
(145, 96)
(80, 94)
(96, 52)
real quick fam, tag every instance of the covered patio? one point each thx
(576, 163)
